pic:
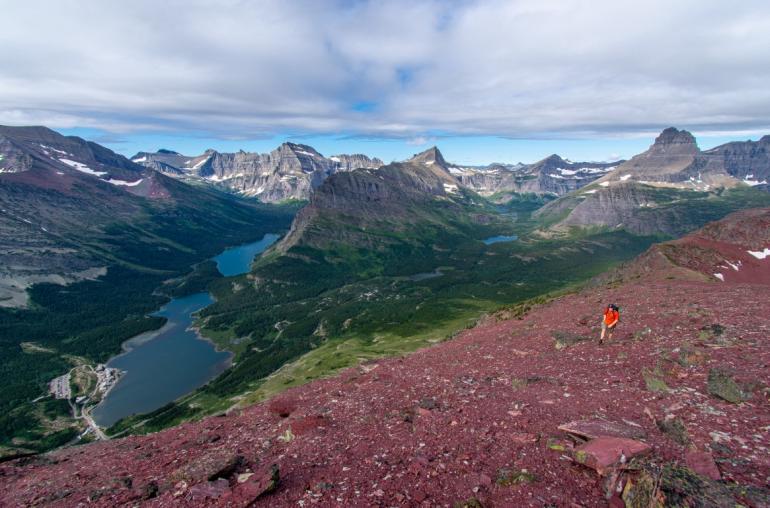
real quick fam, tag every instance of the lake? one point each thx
(237, 260)
(498, 239)
(166, 364)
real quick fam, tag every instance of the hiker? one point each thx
(609, 321)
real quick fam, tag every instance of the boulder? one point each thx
(703, 464)
(603, 454)
(595, 428)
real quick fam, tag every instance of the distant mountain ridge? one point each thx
(293, 171)
(67, 204)
(289, 172)
(651, 192)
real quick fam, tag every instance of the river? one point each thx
(166, 364)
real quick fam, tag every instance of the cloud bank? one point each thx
(402, 68)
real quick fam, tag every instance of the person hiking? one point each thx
(609, 321)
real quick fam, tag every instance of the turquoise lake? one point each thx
(166, 364)
(498, 239)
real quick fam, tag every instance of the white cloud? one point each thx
(510, 68)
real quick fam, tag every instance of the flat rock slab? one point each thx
(604, 453)
(703, 464)
(592, 429)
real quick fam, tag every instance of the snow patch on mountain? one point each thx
(125, 183)
(761, 254)
(79, 166)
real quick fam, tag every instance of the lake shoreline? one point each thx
(181, 324)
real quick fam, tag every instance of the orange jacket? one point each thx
(611, 317)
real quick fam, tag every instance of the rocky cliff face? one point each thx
(291, 171)
(376, 195)
(552, 175)
(666, 188)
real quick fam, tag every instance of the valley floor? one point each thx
(472, 420)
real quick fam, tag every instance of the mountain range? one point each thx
(382, 258)
(68, 207)
(293, 171)
(289, 172)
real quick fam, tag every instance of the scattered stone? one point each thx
(259, 485)
(703, 464)
(566, 339)
(524, 438)
(675, 429)
(282, 406)
(428, 403)
(512, 477)
(306, 424)
(244, 476)
(215, 465)
(591, 429)
(688, 356)
(721, 384)
(604, 453)
(209, 490)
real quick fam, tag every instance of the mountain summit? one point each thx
(430, 156)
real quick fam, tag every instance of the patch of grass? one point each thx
(722, 385)
(653, 380)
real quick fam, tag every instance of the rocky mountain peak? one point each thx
(673, 136)
(167, 152)
(552, 161)
(430, 156)
(298, 149)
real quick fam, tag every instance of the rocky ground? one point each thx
(523, 410)
(475, 419)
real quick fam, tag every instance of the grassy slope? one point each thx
(89, 320)
(357, 303)
(315, 310)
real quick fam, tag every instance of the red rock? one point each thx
(604, 453)
(703, 464)
(306, 424)
(282, 406)
(210, 490)
(258, 485)
(591, 429)
(365, 439)
(524, 438)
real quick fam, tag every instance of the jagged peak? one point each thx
(674, 136)
(298, 148)
(429, 156)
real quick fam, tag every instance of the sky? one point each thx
(485, 80)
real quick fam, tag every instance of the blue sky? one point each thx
(485, 80)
